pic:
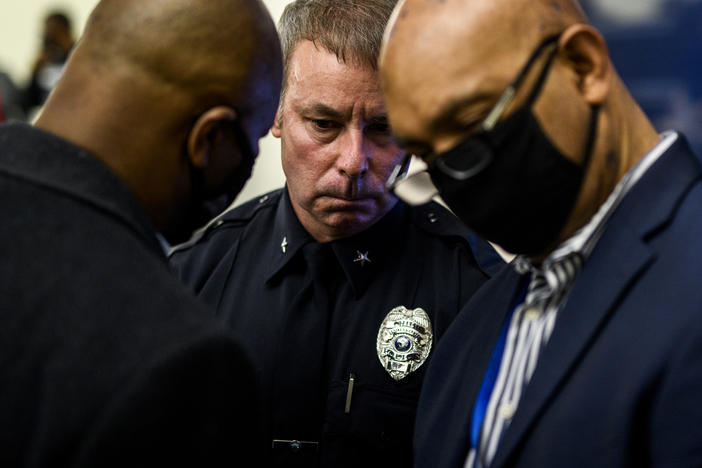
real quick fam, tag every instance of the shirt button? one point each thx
(507, 410)
(532, 314)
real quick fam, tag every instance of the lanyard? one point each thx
(491, 374)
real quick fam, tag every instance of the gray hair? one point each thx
(350, 29)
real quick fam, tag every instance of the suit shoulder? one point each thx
(438, 221)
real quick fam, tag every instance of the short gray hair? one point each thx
(350, 29)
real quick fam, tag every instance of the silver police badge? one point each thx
(404, 341)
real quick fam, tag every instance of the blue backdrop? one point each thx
(656, 45)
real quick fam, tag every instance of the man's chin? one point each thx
(349, 223)
(340, 218)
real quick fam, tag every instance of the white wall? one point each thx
(21, 23)
(20, 30)
(268, 172)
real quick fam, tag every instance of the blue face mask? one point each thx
(508, 182)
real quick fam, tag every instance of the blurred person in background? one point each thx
(56, 44)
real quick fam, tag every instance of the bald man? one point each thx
(106, 360)
(588, 352)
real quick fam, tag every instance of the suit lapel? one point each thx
(620, 255)
(476, 337)
(577, 324)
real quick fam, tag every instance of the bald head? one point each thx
(472, 33)
(521, 20)
(446, 64)
(162, 92)
(209, 49)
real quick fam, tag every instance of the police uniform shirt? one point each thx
(312, 312)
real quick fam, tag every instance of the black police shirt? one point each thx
(311, 315)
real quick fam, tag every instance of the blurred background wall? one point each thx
(656, 46)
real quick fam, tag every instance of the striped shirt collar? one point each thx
(533, 320)
(583, 241)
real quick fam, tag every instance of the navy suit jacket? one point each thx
(620, 381)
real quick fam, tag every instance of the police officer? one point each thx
(324, 275)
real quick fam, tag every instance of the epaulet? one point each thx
(440, 221)
(232, 217)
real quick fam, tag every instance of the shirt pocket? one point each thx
(376, 429)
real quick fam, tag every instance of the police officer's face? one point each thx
(337, 148)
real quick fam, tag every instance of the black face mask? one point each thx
(510, 183)
(203, 205)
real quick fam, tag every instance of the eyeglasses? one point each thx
(415, 186)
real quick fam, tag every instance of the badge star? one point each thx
(361, 257)
(284, 245)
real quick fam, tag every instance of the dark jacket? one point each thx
(105, 359)
(313, 313)
(619, 383)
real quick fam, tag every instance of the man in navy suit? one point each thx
(106, 360)
(588, 350)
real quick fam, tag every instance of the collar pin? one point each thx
(361, 257)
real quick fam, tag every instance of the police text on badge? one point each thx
(404, 341)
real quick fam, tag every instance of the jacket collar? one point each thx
(370, 253)
(643, 211)
(44, 159)
(287, 237)
(361, 257)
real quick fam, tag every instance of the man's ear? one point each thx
(587, 52)
(203, 134)
(275, 129)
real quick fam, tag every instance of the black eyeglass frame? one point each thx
(396, 177)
